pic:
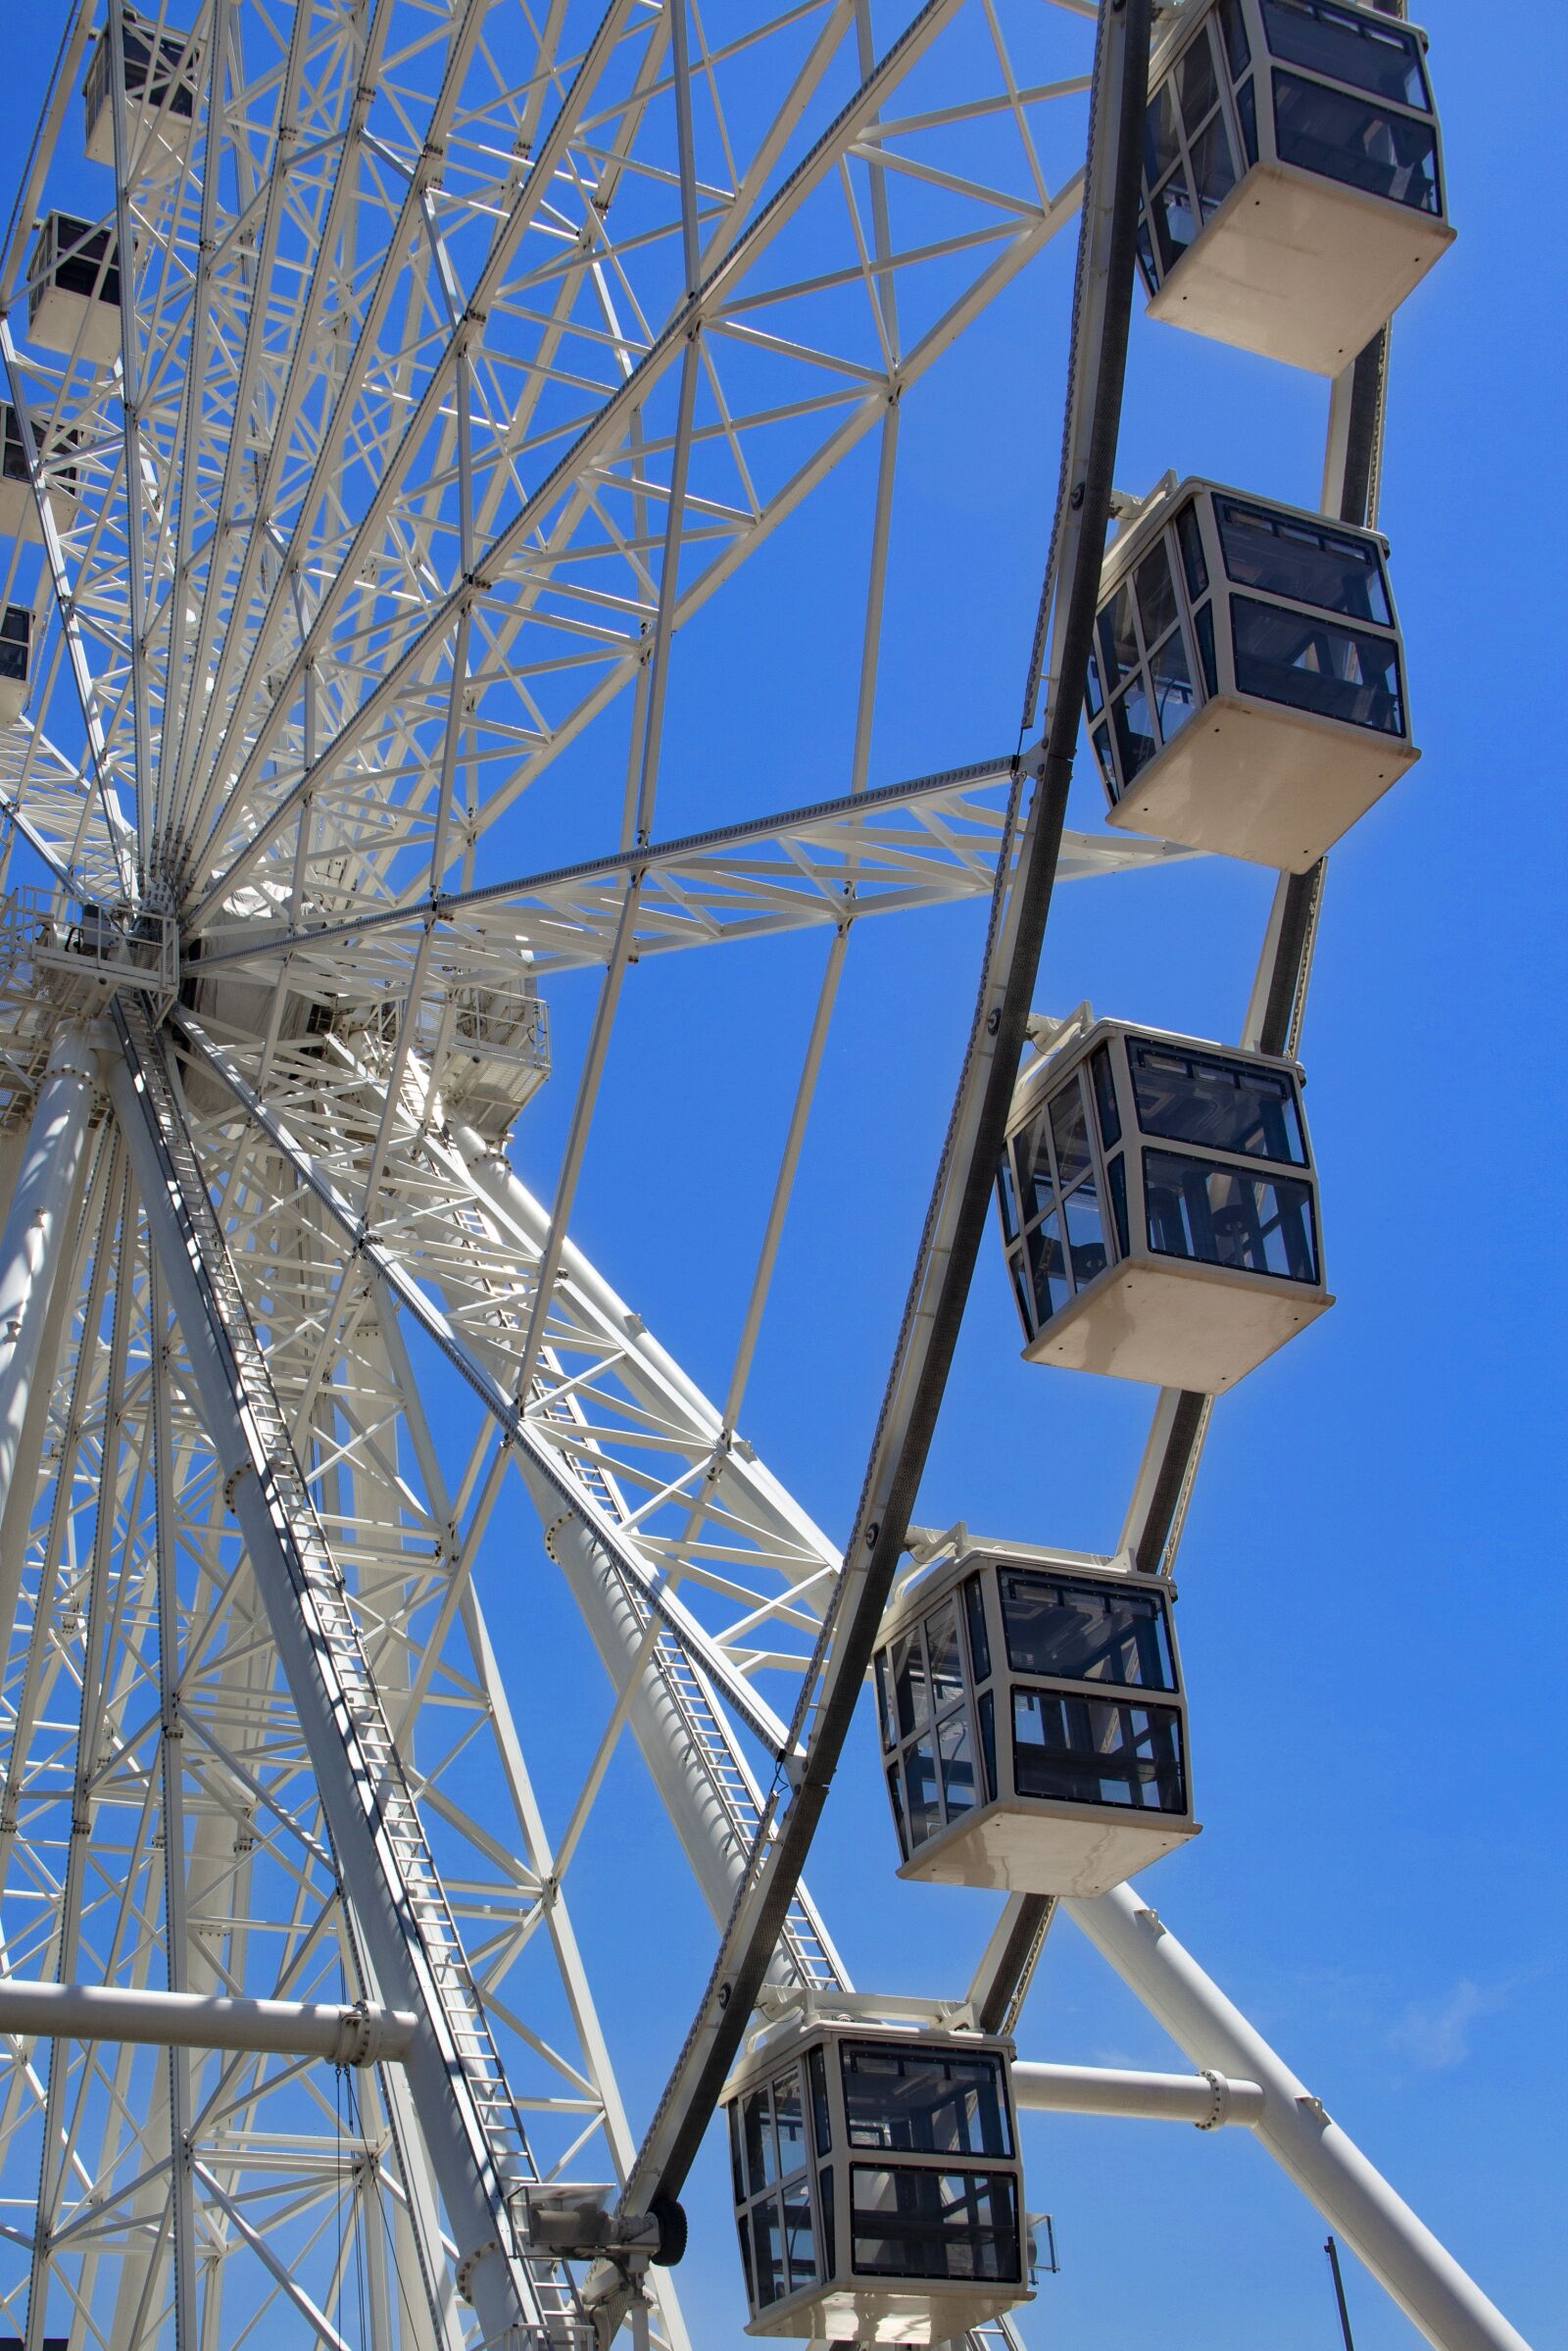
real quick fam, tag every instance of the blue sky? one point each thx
(1379, 1882)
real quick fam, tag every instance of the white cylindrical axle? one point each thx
(351, 2035)
(29, 1246)
(1204, 2099)
(1353, 2197)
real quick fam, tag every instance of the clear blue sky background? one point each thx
(1371, 1612)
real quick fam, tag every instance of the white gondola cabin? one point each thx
(74, 289)
(878, 2188)
(1034, 1731)
(161, 84)
(1246, 692)
(1159, 1208)
(1293, 189)
(19, 510)
(16, 662)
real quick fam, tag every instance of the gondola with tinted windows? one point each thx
(878, 2188)
(1159, 1208)
(162, 68)
(16, 662)
(1292, 190)
(1034, 1731)
(18, 509)
(1246, 692)
(74, 289)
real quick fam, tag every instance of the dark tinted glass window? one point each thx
(1175, 224)
(1215, 172)
(1136, 741)
(767, 2247)
(1161, 148)
(884, 1700)
(928, 2223)
(1007, 1198)
(1199, 86)
(1085, 1234)
(16, 639)
(1225, 1216)
(1075, 1631)
(737, 2161)
(1204, 622)
(975, 1606)
(1108, 766)
(759, 2142)
(911, 2101)
(1288, 556)
(1234, 35)
(1171, 680)
(1156, 595)
(1069, 1132)
(1105, 1096)
(920, 1789)
(1048, 1267)
(988, 1742)
(1378, 57)
(1116, 1177)
(1192, 562)
(909, 1680)
(896, 1795)
(1246, 116)
(788, 2122)
(1230, 1105)
(1359, 142)
(1033, 1166)
(942, 1649)
(15, 460)
(819, 2111)
(1118, 639)
(1341, 673)
(1098, 1751)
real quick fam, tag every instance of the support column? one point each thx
(1326, 2165)
(30, 1245)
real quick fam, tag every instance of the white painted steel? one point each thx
(31, 1243)
(357, 2036)
(1322, 2159)
(454, 345)
(1208, 2100)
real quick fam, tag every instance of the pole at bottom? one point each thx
(1325, 2163)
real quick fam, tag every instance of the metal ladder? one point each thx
(800, 1938)
(374, 1767)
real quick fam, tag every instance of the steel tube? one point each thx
(30, 1247)
(1204, 2099)
(1325, 2163)
(351, 2035)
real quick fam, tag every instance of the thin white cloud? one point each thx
(1435, 2034)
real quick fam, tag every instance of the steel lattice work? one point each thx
(388, 387)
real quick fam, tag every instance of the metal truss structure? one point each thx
(464, 351)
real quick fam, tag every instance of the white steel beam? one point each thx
(466, 2119)
(1204, 2099)
(1325, 2163)
(30, 1246)
(357, 2033)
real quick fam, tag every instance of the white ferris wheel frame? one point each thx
(350, 546)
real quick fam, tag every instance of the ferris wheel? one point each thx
(389, 383)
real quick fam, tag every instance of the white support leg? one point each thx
(30, 1245)
(1354, 2198)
